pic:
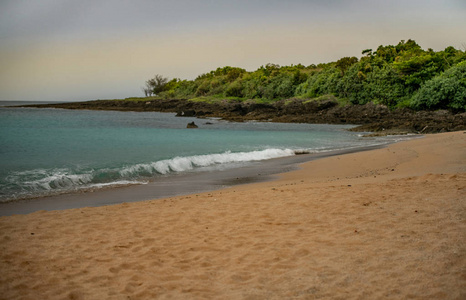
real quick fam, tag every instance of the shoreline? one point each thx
(380, 224)
(175, 184)
(369, 117)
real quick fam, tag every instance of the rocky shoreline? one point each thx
(369, 117)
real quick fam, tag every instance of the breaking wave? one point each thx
(43, 182)
(181, 164)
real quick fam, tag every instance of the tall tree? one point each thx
(155, 85)
(344, 63)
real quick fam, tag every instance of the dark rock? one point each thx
(326, 104)
(191, 125)
(186, 113)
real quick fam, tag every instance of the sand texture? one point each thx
(381, 224)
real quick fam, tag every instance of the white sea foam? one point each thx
(118, 183)
(42, 182)
(58, 180)
(61, 180)
(187, 163)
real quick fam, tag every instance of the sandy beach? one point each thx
(381, 224)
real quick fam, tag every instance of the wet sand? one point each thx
(381, 224)
(173, 185)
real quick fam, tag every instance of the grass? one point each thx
(215, 99)
(212, 99)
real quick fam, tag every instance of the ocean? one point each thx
(55, 151)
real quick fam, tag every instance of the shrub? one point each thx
(235, 89)
(384, 86)
(447, 90)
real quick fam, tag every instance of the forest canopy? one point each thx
(404, 75)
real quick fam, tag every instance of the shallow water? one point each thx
(53, 151)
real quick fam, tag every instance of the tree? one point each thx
(367, 52)
(447, 90)
(390, 75)
(147, 91)
(344, 63)
(155, 85)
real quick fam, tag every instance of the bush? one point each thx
(384, 86)
(185, 89)
(280, 87)
(235, 89)
(318, 84)
(445, 91)
(351, 87)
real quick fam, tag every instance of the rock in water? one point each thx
(192, 125)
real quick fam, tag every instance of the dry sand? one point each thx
(382, 224)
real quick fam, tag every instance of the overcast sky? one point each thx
(69, 50)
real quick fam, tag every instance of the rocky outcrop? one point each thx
(370, 117)
(192, 125)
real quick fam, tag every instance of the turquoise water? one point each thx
(50, 151)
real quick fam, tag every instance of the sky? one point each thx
(76, 50)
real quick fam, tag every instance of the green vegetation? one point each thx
(404, 75)
(448, 90)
